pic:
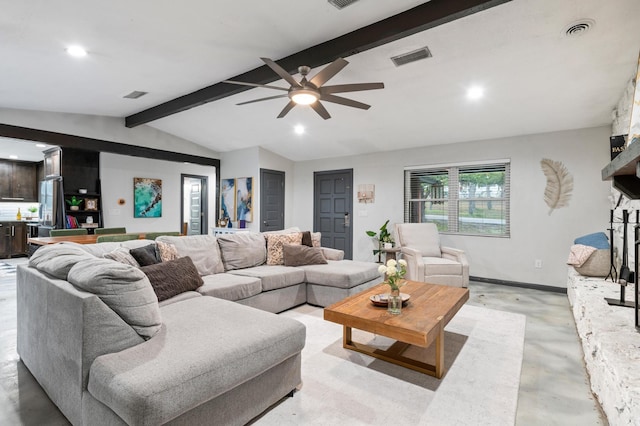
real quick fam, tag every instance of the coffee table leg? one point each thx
(440, 351)
(346, 337)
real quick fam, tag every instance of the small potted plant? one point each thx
(384, 239)
(74, 203)
(32, 210)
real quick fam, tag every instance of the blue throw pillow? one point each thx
(598, 240)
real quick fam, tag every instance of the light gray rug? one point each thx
(483, 357)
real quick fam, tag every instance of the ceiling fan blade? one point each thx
(320, 109)
(263, 99)
(281, 72)
(286, 109)
(344, 101)
(242, 83)
(341, 88)
(328, 72)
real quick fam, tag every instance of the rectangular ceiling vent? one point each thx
(416, 55)
(135, 95)
(342, 3)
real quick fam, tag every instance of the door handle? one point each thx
(347, 220)
(13, 231)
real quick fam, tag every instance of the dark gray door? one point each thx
(194, 205)
(271, 200)
(332, 209)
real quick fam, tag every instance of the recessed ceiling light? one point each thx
(475, 93)
(299, 129)
(13, 157)
(76, 51)
(40, 145)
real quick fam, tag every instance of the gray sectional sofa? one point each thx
(94, 335)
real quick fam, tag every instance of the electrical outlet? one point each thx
(538, 263)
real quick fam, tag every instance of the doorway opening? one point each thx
(194, 212)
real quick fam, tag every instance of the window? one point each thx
(468, 199)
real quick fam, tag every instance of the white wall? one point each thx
(534, 233)
(247, 163)
(110, 129)
(116, 175)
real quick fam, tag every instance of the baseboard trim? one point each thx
(532, 286)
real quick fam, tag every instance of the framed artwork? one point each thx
(244, 199)
(91, 204)
(147, 197)
(228, 199)
(634, 126)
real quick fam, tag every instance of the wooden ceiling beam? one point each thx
(420, 18)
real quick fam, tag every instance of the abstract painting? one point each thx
(147, 197)
(634, 125)
(244, 199)
(228, 199)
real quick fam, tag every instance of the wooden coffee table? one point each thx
(421, 323)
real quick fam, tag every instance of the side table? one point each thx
(390, 253)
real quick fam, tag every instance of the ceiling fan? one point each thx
(311, 92)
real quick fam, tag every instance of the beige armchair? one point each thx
(427, 260)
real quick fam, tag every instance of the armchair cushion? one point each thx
(441, 266)
(423, 237)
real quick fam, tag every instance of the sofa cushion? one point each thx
(202, 249)
(229, 286)
(242, 250)
(145, 255)
(185, 366)
(166, 251)
(173, 277)
(341, 274)
(274, 246)
(58, 259)
(295, 255)
(273, 276)
(441, 266)
(124, 288)
(122, 255)
(100, 249)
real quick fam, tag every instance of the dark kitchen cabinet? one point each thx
(13, 239)
(18, 181)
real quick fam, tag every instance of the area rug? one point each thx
(7, 269)
(483, 358)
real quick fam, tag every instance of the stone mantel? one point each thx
(611, 345)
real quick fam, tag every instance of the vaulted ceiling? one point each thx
(536, 79)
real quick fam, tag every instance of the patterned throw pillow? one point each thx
(122, 255)
(274, 246)
(167, 251)
(315, 239)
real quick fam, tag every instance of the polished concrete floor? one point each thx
(554, 387)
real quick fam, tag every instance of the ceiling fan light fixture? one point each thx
(304, 97)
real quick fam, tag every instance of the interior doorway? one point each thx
(271, 200)
(194, 212)
(332, 209)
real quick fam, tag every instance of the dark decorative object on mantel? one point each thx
(618, 144)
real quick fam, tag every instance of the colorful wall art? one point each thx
(147, 197)
(228, 199)
(244, 199)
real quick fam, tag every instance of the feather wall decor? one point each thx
(559, 184)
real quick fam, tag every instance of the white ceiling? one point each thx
(536, 79)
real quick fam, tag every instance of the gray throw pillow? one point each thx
(122, 255)
(173, 277)
(242, 250)
(124, 288)
(299, 255)
(146, 255)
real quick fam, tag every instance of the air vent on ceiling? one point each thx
(135, 95)
(578, 28)
(416, 55)
(342, 3)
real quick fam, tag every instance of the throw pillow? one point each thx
(306, 239)
(58, 259)
(167, 251)
(122, 255)
(579, 254)
(295, 255)
(275, 243)
(598, 240)
(242, 250)
(316, 239)
(145, 255)
(124, 289)
(173, 277)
